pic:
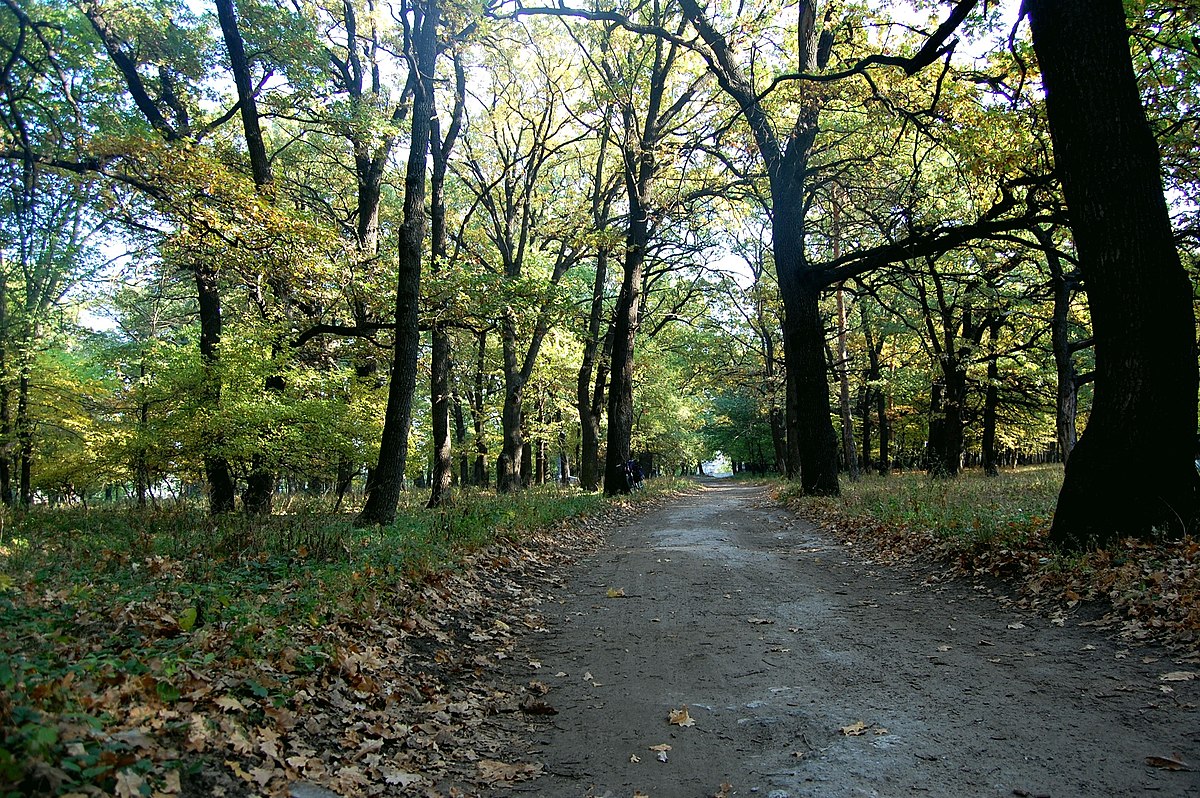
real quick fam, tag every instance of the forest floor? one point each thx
(720, 645)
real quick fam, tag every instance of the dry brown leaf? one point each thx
(855, 729)
(1167, 762)
(680, 717)
(1178, 676)
(493, 771)
(616, 592)
(660, 747)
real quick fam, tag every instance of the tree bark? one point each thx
(1066, 402)
(216, 467)
(1133, 470)
(991, 401)
(439, 361)
(589, 410)
(383, 493)
(849, 452)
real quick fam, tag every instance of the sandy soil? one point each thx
(778, 641)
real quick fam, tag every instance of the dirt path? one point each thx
(776, 638)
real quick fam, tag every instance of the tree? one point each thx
(1133, 471)
(383, 491)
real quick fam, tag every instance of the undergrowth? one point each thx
(999, 526)
(104, 611)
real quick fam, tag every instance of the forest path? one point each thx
(776, 637)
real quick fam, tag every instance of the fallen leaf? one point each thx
(400, 778)
(855, 729)
(129, 784)
(616, 592)
(492, 771)
(536, 707)
(725, 791)
(1167, 762)
(660, 747)
(1017, 625)
(640, 794)
(1178, 676)
(759, 621)
(230, 704)
(680, 717)
(634, 758)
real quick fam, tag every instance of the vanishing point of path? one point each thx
(776, 638)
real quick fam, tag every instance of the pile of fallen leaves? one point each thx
(1138, 590)
(392, 686)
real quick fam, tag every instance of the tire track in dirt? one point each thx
(776, 638)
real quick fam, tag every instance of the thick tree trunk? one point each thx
(383, 493)
(811, 437)
(1133, 470)
(620, 393)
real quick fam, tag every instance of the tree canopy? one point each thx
(356, 248)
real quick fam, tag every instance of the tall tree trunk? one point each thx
(481, 478)
(383, 493)
(6, 429)
(1133, 470)
(589, 420)
(512, 445)
(460, 440)
(620, 392)
(991, 402)
(439, 363)
(1067, 393)
(849, 452)
(216, 466)
(261, 481)
(25, 434)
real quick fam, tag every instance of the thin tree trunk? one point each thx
(216, 467)
(589, 420)
(439, 363)
(383, 493)
(849, 452)
(991, 401)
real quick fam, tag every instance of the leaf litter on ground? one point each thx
(393, 689)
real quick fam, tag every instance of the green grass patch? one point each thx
(970, 512)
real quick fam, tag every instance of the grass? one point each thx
(969, 512)
(106, 612)
(999, 526)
